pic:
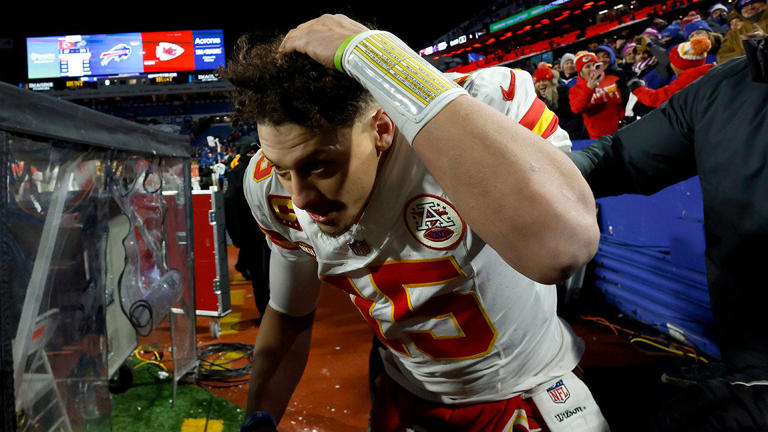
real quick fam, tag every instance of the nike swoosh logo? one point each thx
(509, 93)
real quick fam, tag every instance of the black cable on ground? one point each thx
(211, 371)
(210, 410)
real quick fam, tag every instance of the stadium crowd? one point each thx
(589, 89)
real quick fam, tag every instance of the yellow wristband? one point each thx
(340, 53)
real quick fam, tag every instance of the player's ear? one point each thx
(385, 130)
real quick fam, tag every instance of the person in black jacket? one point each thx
(715, 128)
(253, 258)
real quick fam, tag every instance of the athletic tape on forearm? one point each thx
(410, 90)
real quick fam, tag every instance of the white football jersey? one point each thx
(461, 324)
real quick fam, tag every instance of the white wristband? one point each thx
(410, 90)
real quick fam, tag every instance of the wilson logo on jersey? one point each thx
(559, 392)
(282, 210)
(434, 222)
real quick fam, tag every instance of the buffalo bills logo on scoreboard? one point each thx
(434, 222)
(117, 53)
(559, 392)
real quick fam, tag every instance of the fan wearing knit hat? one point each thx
(696, 28)
(568, 75)
(596, 96)
(718, 18)
(688, 62)
(543, 82)
(750, 9)
(755, 21)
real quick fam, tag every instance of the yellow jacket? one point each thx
(732, 46)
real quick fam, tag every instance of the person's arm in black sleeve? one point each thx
(662, 56)
(757, 56)
(644, 157)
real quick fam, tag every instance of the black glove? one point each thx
(635, 83)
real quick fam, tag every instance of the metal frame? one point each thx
(25, 114)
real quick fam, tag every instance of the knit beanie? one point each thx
(690, 54)
(692, 16)
(718, 6)
(696, 25)
(651, 32)
(629, 46)
(582, 58)
(671, 31)
(542, 72)
(608, 50)
(566, 57)
(741, 3)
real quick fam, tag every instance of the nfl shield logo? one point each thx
(559, 392)
(359, 247)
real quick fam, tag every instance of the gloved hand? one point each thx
(635, 83)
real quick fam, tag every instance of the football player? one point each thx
(445, 209)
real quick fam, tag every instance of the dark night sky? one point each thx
(418, 23)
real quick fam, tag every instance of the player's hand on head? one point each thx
(321, 37)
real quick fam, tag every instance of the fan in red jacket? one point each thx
(596, 97)
(688, 63)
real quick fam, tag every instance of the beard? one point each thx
(334, 232)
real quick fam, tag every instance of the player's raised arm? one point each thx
(519, 193)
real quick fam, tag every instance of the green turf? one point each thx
(146, 405)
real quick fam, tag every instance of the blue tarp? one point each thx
(650, 263)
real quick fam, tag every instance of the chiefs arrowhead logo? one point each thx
(434, 222)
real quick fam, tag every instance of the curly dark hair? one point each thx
(290, 88)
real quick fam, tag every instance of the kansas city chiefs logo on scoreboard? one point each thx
(434, 222)
(167, 51)
(559, 392)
